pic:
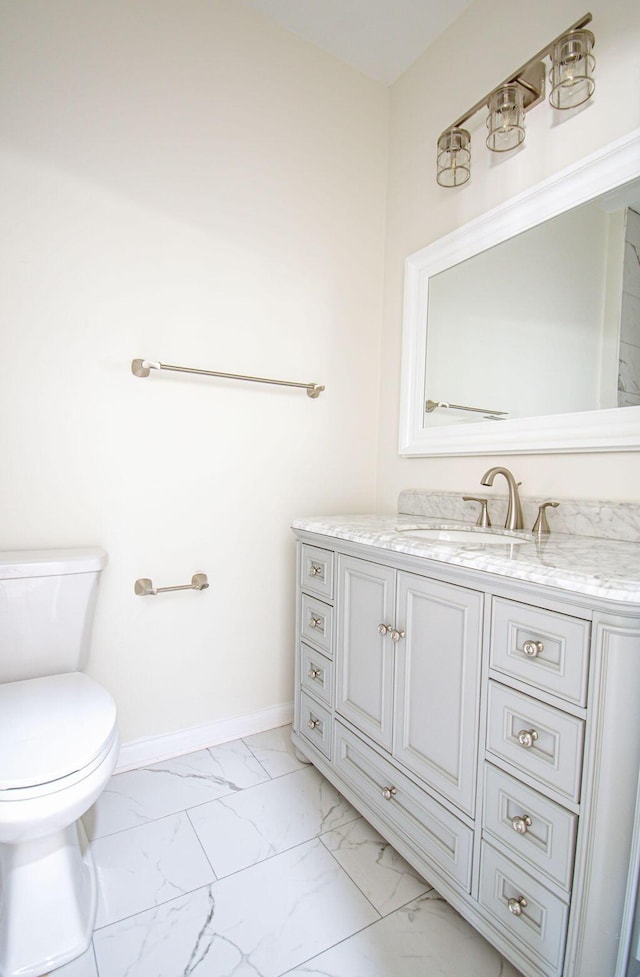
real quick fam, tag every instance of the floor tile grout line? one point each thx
(375, 922)
(216, 877)
(222, 878)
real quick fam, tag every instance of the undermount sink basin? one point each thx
(479, 537)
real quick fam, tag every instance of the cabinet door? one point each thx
(438, 685)
(364, 657)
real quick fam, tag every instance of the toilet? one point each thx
(58, 747)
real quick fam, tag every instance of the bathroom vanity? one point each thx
(478, 703)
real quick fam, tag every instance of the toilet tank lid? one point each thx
(51, 563)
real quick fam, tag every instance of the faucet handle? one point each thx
(483, 517)
(541, 526)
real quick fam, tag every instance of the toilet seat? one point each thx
(54, 731)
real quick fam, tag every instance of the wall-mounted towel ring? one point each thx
(144, 587)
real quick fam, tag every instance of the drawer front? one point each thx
(317, 623)
(523, 910)
(316, 674)
(547, 650)
(534, 829)
(315, 724)
(431, 829)
(316, 571)
(537, 739)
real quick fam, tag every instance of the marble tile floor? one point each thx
(240, 861)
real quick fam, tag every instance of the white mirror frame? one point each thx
(614, 429)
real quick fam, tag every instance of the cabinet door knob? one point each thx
(521, 824)
(315, 672)
(527, 737)
(313, 723)
(517, 905)
(533, 648)
(315, 571)
(388, 793)
(396, 635)
(315, 622)
(384, 629)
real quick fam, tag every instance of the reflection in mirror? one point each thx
(522, 328)
(545, 323)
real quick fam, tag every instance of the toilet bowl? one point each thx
(58, 748)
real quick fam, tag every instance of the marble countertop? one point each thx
(603, 568)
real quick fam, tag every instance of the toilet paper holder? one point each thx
(143, 587)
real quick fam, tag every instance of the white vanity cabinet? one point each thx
(489, 729)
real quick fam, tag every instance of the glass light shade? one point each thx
(505, 121)
(572, 65)
(454, 158)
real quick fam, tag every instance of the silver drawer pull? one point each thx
(315, 571)
(315, 672)
(521, 824)
(396, 635)
(384, 629)
(315, 622)
(314, 723)
(517, 905)
(527, 737)
(388, 793)
(533, 648)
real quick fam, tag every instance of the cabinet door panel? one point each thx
(438, 685)
(364, 677)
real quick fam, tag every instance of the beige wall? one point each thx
(185, 182)
(487, 42)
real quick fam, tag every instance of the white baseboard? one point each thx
(153, 749)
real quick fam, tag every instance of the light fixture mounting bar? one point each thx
(523, 76)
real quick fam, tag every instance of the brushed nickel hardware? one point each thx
(144, 587)
(517, 905)
(541, 525)
(314, 723)
(527, 737)
(315, 622)
(315, 571)
(141, 368)
(396, 635)
(389, 792)
(514, 509)
(533, 648)
(521, 824)
(432, 405)
(483, 516)
(572, 84)
(384, 629)
(315, 672)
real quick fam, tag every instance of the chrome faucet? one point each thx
(514, 511)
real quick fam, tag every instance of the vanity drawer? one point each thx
(315, 724)
(316, 674)
(523, 910)
(536, 739)
(430, 828)
(532, 828)
(543, 648)
(316, 570)
(317, 623)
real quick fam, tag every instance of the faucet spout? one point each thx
(514, 511)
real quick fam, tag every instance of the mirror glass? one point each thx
(521, 329)
(544, 323)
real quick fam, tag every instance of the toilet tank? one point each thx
(47, 601)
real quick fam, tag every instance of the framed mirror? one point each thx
(516, 336)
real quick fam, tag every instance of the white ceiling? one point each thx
(380, 38)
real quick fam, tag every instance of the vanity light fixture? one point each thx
(571, 82)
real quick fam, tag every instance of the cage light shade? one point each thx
(505, 121)
(572, 65)
(454, 157)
